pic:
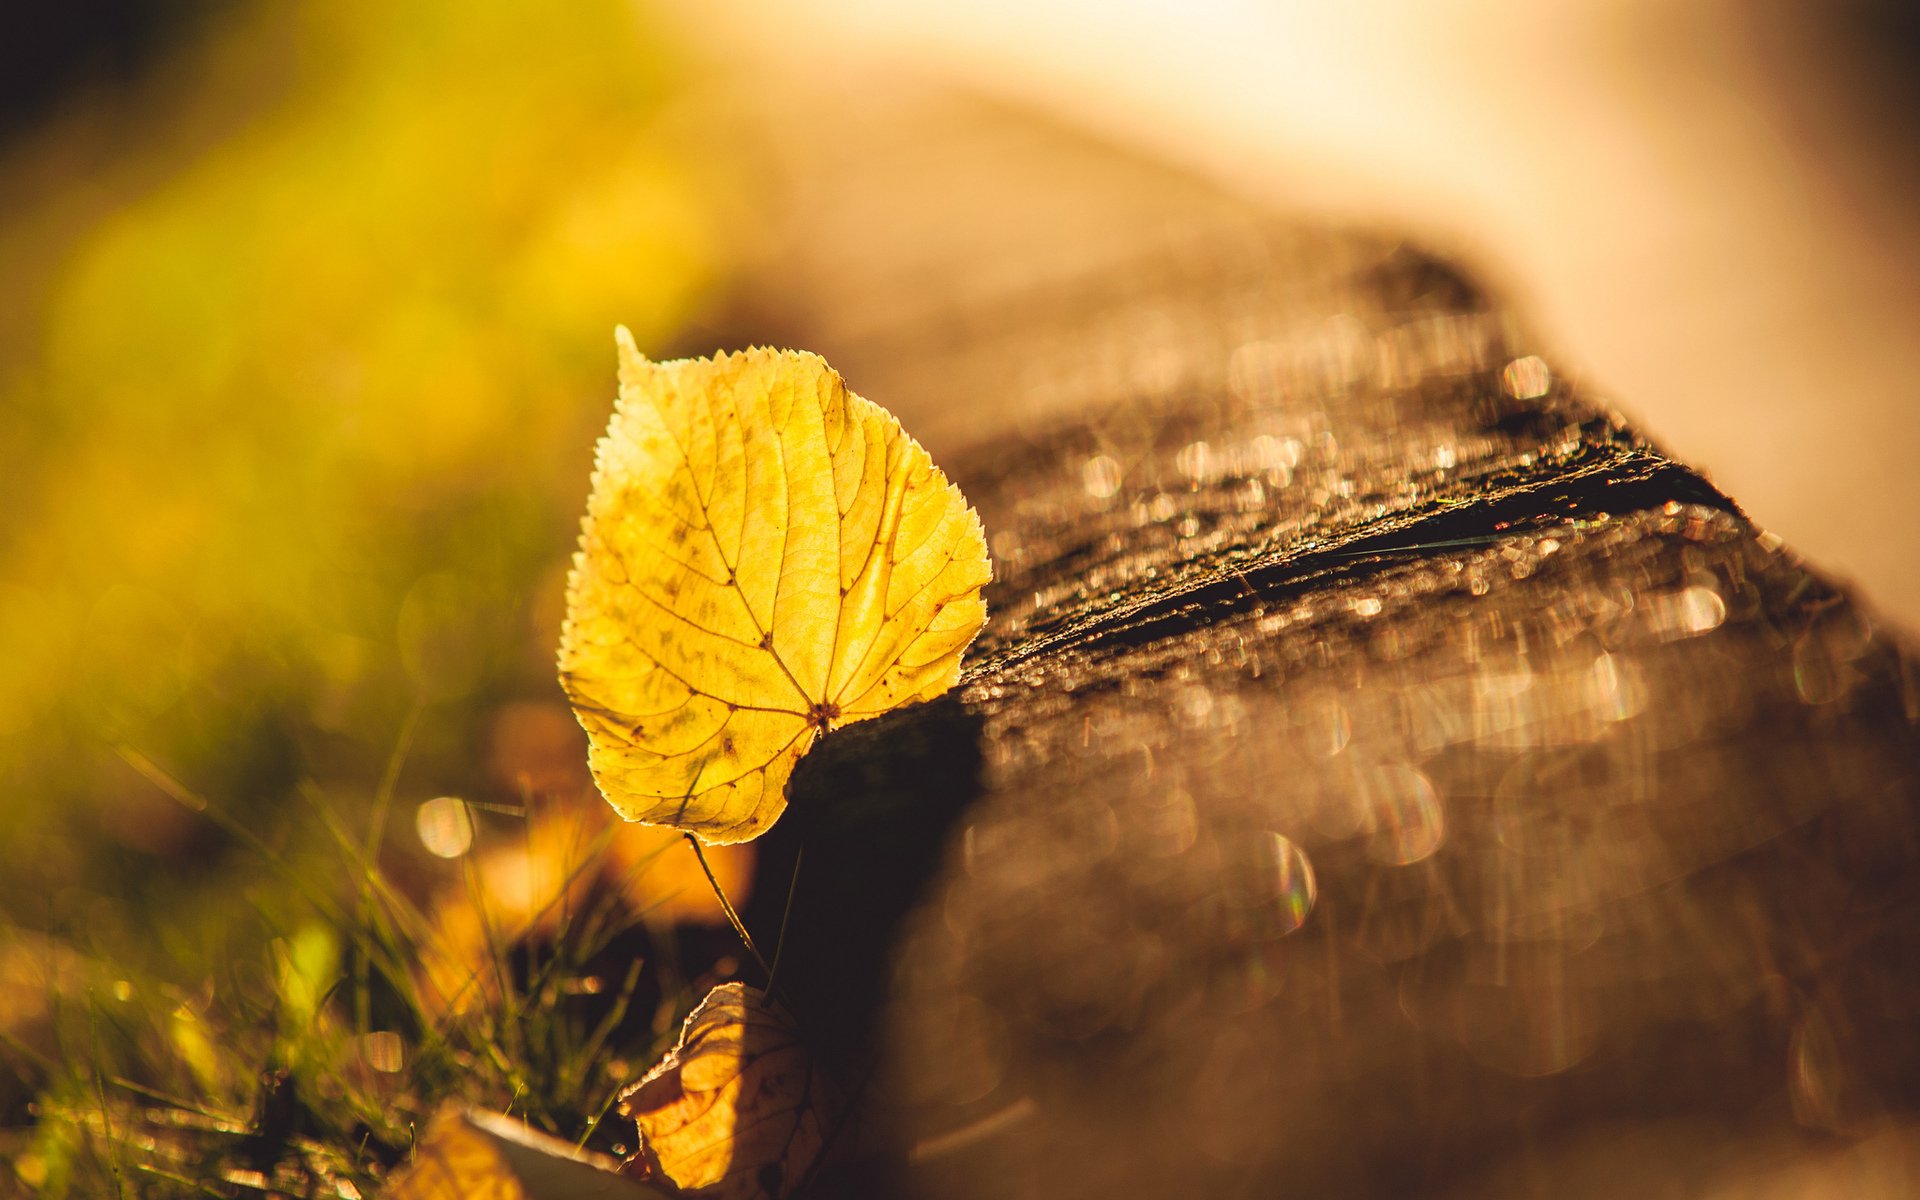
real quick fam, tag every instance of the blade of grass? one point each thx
(780, 941)
(218, 1122)
(417, 929)
(422, 930)
(390, 778)
(212, 812)
(590, 1049)
(198, 1187)
(597, 849)
(509, 1025)
(612, 1099)
(100, 1090)
(376, 834)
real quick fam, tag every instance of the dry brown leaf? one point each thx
(470, 1155)
(737, 1110)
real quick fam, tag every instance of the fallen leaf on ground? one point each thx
(470, 1155)
(737, 1110)
(766, 556)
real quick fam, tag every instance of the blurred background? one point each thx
(305, 337)
(307, 316)
(1703, 208)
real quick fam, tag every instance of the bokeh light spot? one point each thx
(1100, 475)
(444, 826)
(383, 1051)
(1526, 378)
(1296, 885)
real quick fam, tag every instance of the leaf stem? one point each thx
(726, 906)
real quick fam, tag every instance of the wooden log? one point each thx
(1385, 771)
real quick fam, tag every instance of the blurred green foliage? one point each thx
(305, 430)
(296, 430)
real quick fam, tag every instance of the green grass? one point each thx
(310, 1068)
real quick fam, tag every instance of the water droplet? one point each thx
(1690, 611)
(1194, 460)
(1615, 691)
(1100, 476)
(1409, 821)
(1277, 452)
(383, 1051)
(1526, 378)
(1193, 707)
(1819, 675)
(1293, 877)
(1825, 1088)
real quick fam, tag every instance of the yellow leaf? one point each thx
(736, 1111)
(765, 556)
